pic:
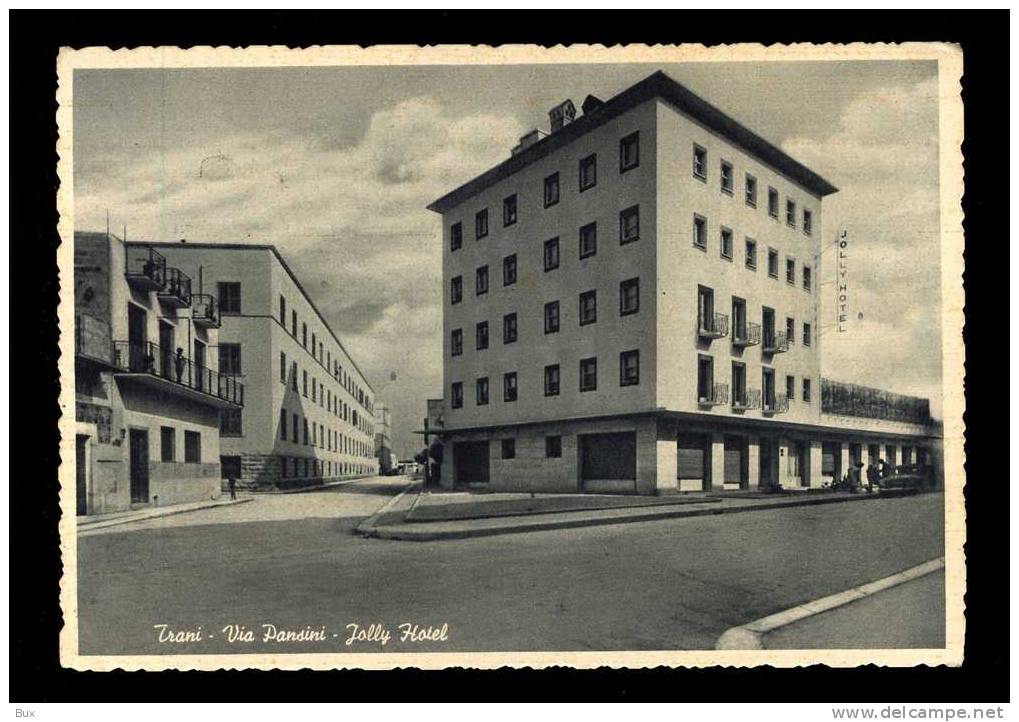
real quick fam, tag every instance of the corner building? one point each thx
(631, 306)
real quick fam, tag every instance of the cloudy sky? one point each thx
(335, 166)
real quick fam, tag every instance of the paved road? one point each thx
(670, 584)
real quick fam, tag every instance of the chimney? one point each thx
(561, 115)
(591, 103)
(527, 140)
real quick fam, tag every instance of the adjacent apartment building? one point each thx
(309, 411)
(148, 389)
(384, 439)
(631, 305)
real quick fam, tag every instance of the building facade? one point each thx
(148, 392)
(308, 415)
(631, 305)
(384, 439)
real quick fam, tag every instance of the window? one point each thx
(553, 447)
(705, 378)
(551, 194)
(293, 375)
(293, 324)
(806, 278)
(806, 334)
(304, 335)
(509, 328)
(790, 271)
(750, 190)
(304, 423)
(283, 424)
(790, 213)
(314, 389)
(509, 270)
(790, 329)
(481, 391)
(167, 444)
(552, 317)
(509, 210)
(552, 380)
(481, 335)
(739, 384)
(509, 386)
(283, 312)
(588, 307)
(739, 320)
(456, 342)
(192, 447)
(481, 223)
(588, 374)
(230, 422)
(230, 359)
(588, 240)
(509, 448)
(304, 382)
(229, 293)
(456, 236)
(314, 345)
(725, 241)
(481, 281)
(751, 254)
(629, 368)
(629, 152)
(283, 367)
(629, 225)
(629, 296)
(551, 254)
(790, 387)
(705, 308)
(588, 172)
(773, 263)
(700, 162)
(772, 202)
(725, 177)
(294, 428)
(457, 394)
(768, 389)
(808, 222)
(806, 390)
(456, 289)
(700, 232)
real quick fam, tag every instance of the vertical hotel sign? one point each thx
(842, 282)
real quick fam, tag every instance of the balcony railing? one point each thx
(205, 311)
(145, 268)
(775, 343)
(747, 399)
(777, 404)
(749, 334)
(715, 325)
(177, 291)
(716, 395)
(148, 358)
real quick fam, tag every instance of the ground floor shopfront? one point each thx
(662, 453)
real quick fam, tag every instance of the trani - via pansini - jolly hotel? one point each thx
(631, 305)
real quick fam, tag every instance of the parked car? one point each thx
(907, 476)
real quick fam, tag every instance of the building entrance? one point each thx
(470, 462)
(139, 443)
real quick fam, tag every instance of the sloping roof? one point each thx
(656, 85)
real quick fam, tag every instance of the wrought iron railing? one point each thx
(775, 343)
(747, 334)
(149, 358)
(747, 399)
(777, 404)
(715, 395)
(145, 265)
(205, 310)
(715, 325)
(178, 287)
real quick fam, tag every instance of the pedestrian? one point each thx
(178, 363)
(231, 484)
(871, 477)
(882, 468)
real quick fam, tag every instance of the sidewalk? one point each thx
(101, 521)
(430, 517)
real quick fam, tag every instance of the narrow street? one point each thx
(294, 562)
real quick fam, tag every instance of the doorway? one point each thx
(199, 364)
(768, 462)
(166, 350)
(137, 337)
(81, 472)
(608, 462)
(470, 462)
(139, 452)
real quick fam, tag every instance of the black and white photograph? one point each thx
(517, 356)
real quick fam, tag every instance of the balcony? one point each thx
(163, 370)
(716, 395)
(205, 311)
(145, 268)
(715, 325)
(177, 291)
(775, 343)
(747, 399)
(777, 404)
(92, 341)
(749, 334)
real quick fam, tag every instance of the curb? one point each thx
(402, 533)
(751, 635)
(369, 527)
(319, 487)
(168, 512)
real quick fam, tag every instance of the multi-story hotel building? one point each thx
(308, 413)
(631, 304)
(148, 391)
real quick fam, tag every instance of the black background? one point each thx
(35, 565)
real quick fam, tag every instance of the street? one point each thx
(294, 562)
